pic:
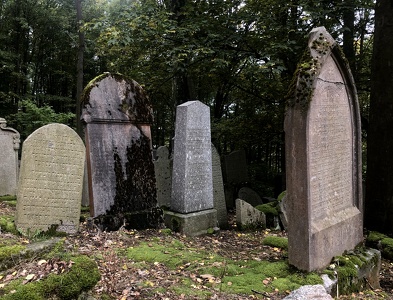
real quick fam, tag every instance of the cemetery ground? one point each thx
(155, 264)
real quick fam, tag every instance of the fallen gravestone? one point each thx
(51, 180)
(323, 157)
(192, 208)
(9, 146)
(117, 115)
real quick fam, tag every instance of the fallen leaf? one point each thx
(41, 262)
(29, 277)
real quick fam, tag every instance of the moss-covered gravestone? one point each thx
(50, 181)
(323, 157)
(117, 115)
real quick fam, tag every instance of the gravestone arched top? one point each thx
(113, 98)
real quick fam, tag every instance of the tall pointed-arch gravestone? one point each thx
(122, 189)
(323, 157)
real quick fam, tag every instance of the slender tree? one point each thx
(79, 65)
(379, 190)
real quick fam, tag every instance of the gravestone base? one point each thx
(151, 218)
(367, 275)
(191, 224)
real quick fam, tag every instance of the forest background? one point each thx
(238, 57)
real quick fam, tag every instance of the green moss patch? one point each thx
(10, 200)
(82, 276)
(7, 224)
(220, 273)
(276, 241)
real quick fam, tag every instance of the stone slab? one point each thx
(117, 115)
(9, 166)
(323, 157)
(192, 224)
(51, 180)
(162, 167)
(218, 190)
(192, 183)
(247, 216)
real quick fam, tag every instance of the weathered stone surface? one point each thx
(218, 190)
(249, 195)
(191, 224)
(309, 292)
(248, 216)
(192, 184)
(162, 167)
(9, 146)
(122, 189)
(323, 156)
(51, 179)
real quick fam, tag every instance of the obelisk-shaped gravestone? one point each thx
(122, 189)
(323, 157)
(9, 147)
(192, 207)
(50, 181)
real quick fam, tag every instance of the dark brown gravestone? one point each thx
(122, 189)
(323, 157)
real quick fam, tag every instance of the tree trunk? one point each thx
(379, 192)
(79, 67)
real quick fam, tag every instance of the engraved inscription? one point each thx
(330, 148)
(51, 180)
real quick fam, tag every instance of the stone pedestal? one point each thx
(191, 224)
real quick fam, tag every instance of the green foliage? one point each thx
(33, 117)
(276, 241)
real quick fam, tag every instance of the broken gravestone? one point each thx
(247, 216)
(117, 115)
(51, 180)
(323, 157)
(162, 167)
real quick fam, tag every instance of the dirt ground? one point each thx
(120, 279)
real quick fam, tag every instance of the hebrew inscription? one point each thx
(51, 180)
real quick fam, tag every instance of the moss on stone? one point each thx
(276, 241)
(281, 196)
(7, 224)
(268, 208)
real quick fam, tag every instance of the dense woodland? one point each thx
(238, 57)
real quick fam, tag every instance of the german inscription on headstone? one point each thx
(9, 146)
(192, 185)
(192, 208)
(51, 180)
(323, 156)
(122, 189)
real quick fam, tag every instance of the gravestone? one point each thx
(250, 196)
(323, 157)
(9, 146)
(117, 115)
(235, 173)
(51, 180)
(218, 190)
(248, 217)
(162, 167)
(192, 208)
